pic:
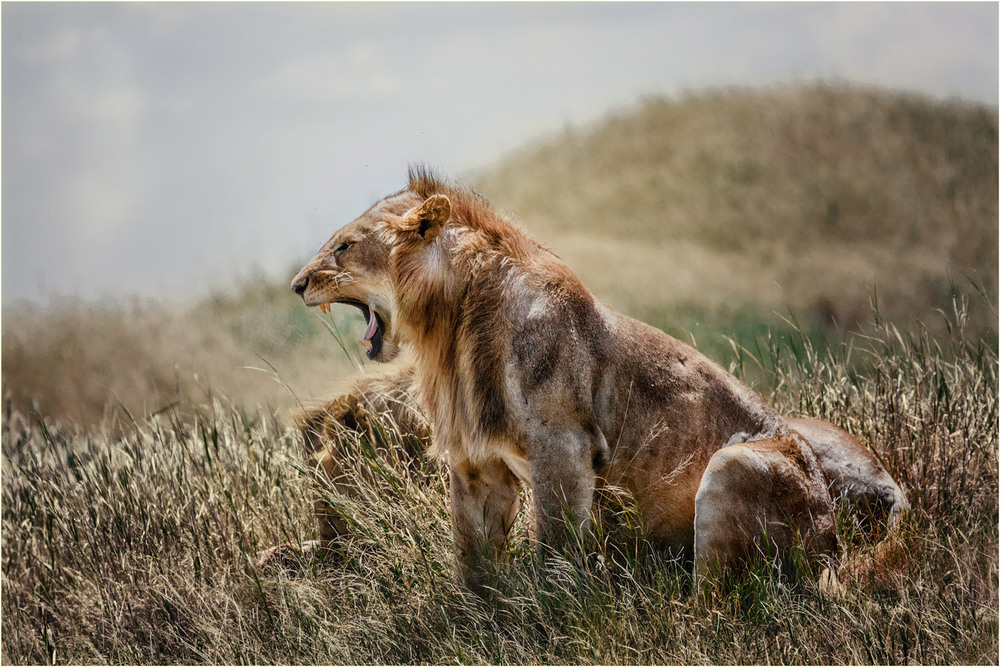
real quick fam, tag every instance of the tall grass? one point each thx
(132, 541)
(88, 362)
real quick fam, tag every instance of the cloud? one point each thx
(57, 45)
(95, 162)
(358, 71)
(122, 106)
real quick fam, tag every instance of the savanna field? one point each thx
(835, 247)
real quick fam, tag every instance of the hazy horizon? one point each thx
(165, 149)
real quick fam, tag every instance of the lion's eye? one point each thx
(342, 247)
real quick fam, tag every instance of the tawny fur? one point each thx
(379, 408)
(526, 378)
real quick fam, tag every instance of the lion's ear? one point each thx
(428, 218)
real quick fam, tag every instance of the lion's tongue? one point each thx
(372, 325)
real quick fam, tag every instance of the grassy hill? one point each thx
(704, 216)
(794, 197)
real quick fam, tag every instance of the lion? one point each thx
(527, 378)
(379, 409)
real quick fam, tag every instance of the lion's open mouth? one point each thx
(373, 334)
(373, 337)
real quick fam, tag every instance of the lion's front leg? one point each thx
(484, 503)
(562, 484)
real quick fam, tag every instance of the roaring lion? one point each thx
(527, 378)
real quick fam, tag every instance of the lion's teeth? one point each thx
(365, 344)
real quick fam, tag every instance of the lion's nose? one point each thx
(299, 284)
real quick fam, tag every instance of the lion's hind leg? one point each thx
(759, 500)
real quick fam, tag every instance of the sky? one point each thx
(168, 150)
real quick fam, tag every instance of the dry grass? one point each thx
(85, 362)
(134, 546)
(153, 466)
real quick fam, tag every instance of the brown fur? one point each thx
(378, 408)
(526, 378)
(854, 474)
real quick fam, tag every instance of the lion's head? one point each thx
(355, 266)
